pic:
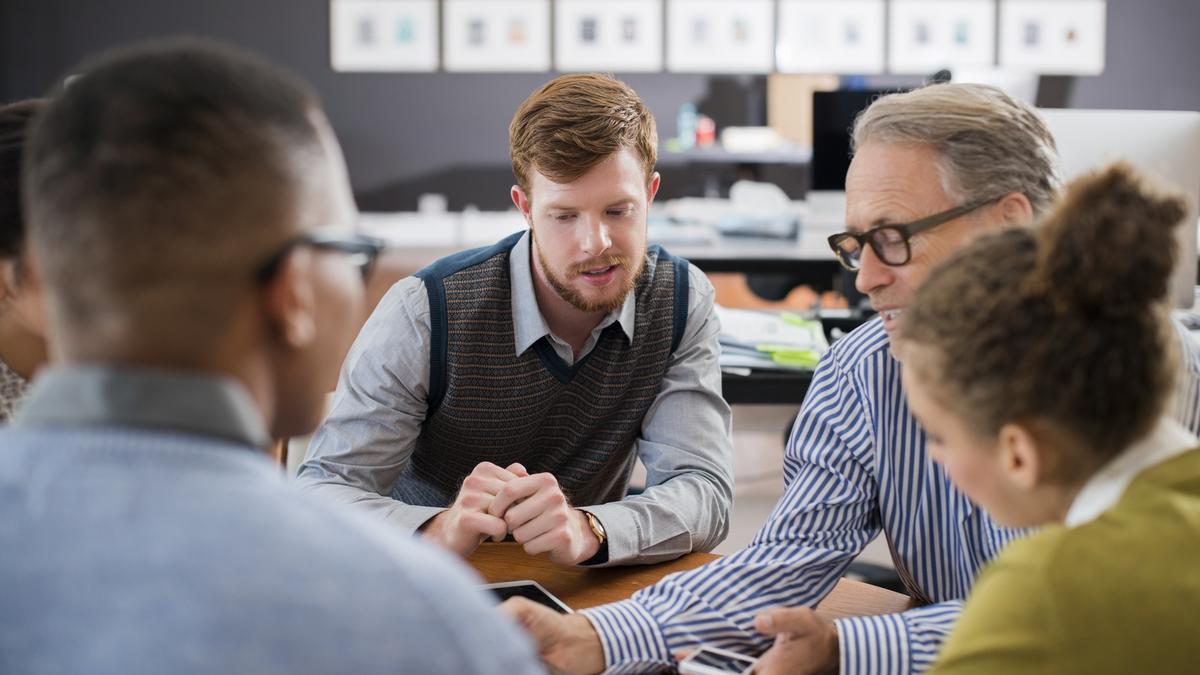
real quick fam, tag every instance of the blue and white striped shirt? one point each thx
(855, 464)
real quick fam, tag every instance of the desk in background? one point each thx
(581, 587)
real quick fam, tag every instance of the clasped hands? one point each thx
(495, 501)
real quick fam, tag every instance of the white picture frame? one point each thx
(831, 37)
(383, 35)
(1053, 37)
(608, 35)
(496, 35)
(718, 36)
(927, 35)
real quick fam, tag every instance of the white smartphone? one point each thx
(530, 589)
(714, 661)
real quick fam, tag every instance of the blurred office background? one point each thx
(407, 134)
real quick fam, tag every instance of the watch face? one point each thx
(597, 528)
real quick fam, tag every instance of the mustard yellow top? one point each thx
(1119, 594)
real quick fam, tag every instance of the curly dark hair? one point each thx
(1062, 326)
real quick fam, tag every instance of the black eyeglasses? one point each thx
(891, 242)
(363, 251)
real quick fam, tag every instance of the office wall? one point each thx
(405, 134)
(1153, 58)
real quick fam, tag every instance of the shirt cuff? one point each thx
(873, 644)
(630, 636)
(620, 529)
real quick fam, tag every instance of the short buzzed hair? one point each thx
(14, 131)
(158, 177)
(575, 122)
(988, 144)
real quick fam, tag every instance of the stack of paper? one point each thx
(769, 340)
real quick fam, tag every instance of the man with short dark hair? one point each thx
(510, 389)
(191, 226)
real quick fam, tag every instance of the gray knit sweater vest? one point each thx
(486, 403)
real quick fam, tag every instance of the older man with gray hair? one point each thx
(932, 170)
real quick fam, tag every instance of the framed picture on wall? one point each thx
(831, 36)
(926, 35)
(1053, 37)
(383, 35)
(717, 36)
(608, 35)
(496, 35)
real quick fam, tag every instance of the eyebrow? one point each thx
(875, 224)
(557, 206)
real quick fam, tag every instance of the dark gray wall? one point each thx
(1152, 60)
(404, 134)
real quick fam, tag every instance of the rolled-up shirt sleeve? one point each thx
(375, 416)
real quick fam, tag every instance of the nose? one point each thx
(596, 238)
(872, 273)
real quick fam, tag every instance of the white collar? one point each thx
(529, 325)
(1168, 439)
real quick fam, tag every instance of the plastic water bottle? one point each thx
(685, 123)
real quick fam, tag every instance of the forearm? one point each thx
(687, 513)
(717, 603)
(895, 643)
(406, 518)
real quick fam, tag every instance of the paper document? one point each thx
(769, 340)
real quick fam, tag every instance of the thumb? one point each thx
(517, 468)
(782, 620)
(765, 623)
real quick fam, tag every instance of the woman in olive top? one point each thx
(22, 345)
(1039, 363)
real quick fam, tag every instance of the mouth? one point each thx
(891, 318)
(599, 276)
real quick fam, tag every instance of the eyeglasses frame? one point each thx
(354, 243)
(906, 230)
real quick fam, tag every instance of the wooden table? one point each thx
(582, 587)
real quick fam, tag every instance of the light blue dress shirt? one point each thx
(144, 531)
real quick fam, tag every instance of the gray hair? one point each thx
(988, 144)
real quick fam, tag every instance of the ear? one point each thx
(1021, 456)
(289, 301)
(1015, 210)
(26, 288)
(652, 188)
(521, 201)
(8, 278)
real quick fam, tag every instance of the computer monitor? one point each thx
(833, 114)
(1163, 144)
